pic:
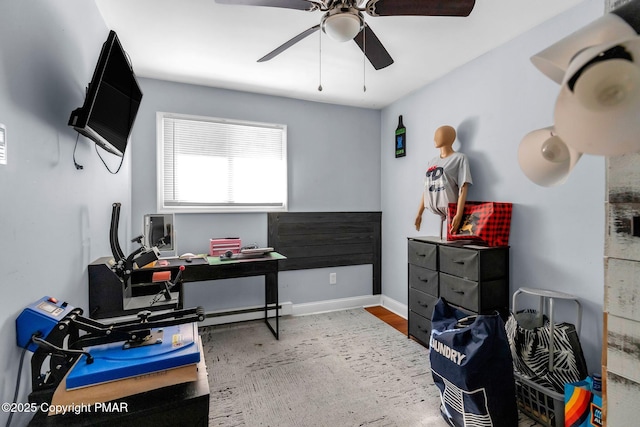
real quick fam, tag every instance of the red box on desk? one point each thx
(218, 247)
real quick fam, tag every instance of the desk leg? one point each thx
(181, 295)
(271, 298)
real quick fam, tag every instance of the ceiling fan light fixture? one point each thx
(342, 27)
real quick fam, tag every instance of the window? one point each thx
(208, 164)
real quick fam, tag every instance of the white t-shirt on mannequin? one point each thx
(443, 180)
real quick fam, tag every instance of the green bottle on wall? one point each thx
(401, 139)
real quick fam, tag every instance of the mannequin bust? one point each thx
(447, 180)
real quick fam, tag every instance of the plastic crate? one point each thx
(538, 402)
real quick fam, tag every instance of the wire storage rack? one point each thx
(543, 404)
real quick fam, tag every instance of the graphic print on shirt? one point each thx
(435, 178)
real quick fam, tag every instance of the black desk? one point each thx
(107, 293)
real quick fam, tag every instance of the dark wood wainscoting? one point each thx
(328, 239)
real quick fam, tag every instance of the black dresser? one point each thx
(469, 276)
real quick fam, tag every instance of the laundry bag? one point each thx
(488, 222)
(472, 367)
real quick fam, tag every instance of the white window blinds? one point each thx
(209, 165)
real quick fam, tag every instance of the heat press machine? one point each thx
(114, 282)
(75, 354)
(124, 265)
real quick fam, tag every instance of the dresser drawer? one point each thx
(474, 264)
(423, 279)
(459, 262)
(459, 291)
(420, 328)
(483, 297)
(423, 254)
(421, 303)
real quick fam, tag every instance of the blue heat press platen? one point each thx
(179, 347)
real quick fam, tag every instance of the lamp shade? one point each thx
(621, 23)
(554, 60)
(598, 108)
(342, 27)
(545, 159)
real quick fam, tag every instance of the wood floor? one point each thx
(389, 317)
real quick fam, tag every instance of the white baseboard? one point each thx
(288, 308)
(397, 307)
(216, 319)
(335, 304)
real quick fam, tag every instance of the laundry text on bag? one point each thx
(454, 355)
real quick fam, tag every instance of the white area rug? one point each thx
(338, 369)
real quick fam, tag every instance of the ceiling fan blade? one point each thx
(277, 51)
(286, 4)
(420, 7)
(372, 47)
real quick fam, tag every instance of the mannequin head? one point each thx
(444, 137)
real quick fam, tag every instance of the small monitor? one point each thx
(159, 232)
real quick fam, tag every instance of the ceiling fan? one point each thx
(343, 20)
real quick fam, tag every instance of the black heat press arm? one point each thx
(123, 265)
(116, 250)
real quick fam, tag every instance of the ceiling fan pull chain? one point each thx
(364, 59)
(320, 63)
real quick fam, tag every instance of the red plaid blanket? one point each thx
(486, 221)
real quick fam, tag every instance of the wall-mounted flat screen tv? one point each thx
(112, 100)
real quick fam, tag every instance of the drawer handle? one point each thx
(423, 279)
(421, 304)
(422, 255)
(457, 292)
(459, 262)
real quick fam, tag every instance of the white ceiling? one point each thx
(202, 42)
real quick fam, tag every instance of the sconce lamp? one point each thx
(598, 108)
(621, 24)
(545, 159)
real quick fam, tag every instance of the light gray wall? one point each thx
(556, 233)
(333, 162)
(54, 219)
